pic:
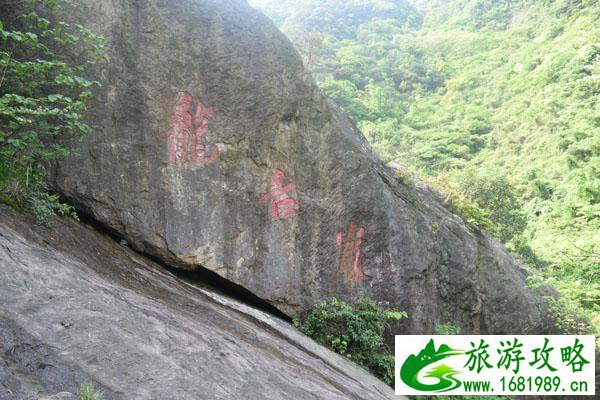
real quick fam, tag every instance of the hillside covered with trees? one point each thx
(495, 102)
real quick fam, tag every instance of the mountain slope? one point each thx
(499, 100)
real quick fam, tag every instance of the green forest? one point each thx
(494, 102)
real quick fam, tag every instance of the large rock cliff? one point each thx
(212, 148)
(76, 307)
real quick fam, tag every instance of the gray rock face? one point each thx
(60, 396)
(75, 307)
(213, 148)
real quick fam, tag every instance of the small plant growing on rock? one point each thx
(456, 202)
(354, 332)
(404, 177)
(88, 392)
(447, 329)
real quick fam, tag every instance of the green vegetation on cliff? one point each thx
(497, 101)
(357, 333)
(43, 94)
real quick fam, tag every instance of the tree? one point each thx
(309, 45)
(494, 194)
(44, 93)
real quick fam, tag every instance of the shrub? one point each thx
(354, 332)
(45, 205)
(44, 95)
(457, 202)
(569, 317)
(494, 194)
(404, 177)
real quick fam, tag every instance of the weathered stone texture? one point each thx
(75, 307)
(293, 205)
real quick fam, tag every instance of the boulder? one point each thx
(213, 148)
(76, 307)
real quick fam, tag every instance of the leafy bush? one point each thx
(45, 205)
(44, 95)
(354, 332)
(494, 194)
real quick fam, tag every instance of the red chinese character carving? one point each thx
(179, 133)
(351, 259)
(198, 147)
(183, 144)
(282, 205)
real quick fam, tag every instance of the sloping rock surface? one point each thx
(213, 149)
(77, 307)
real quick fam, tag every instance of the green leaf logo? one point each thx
(413, 365)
